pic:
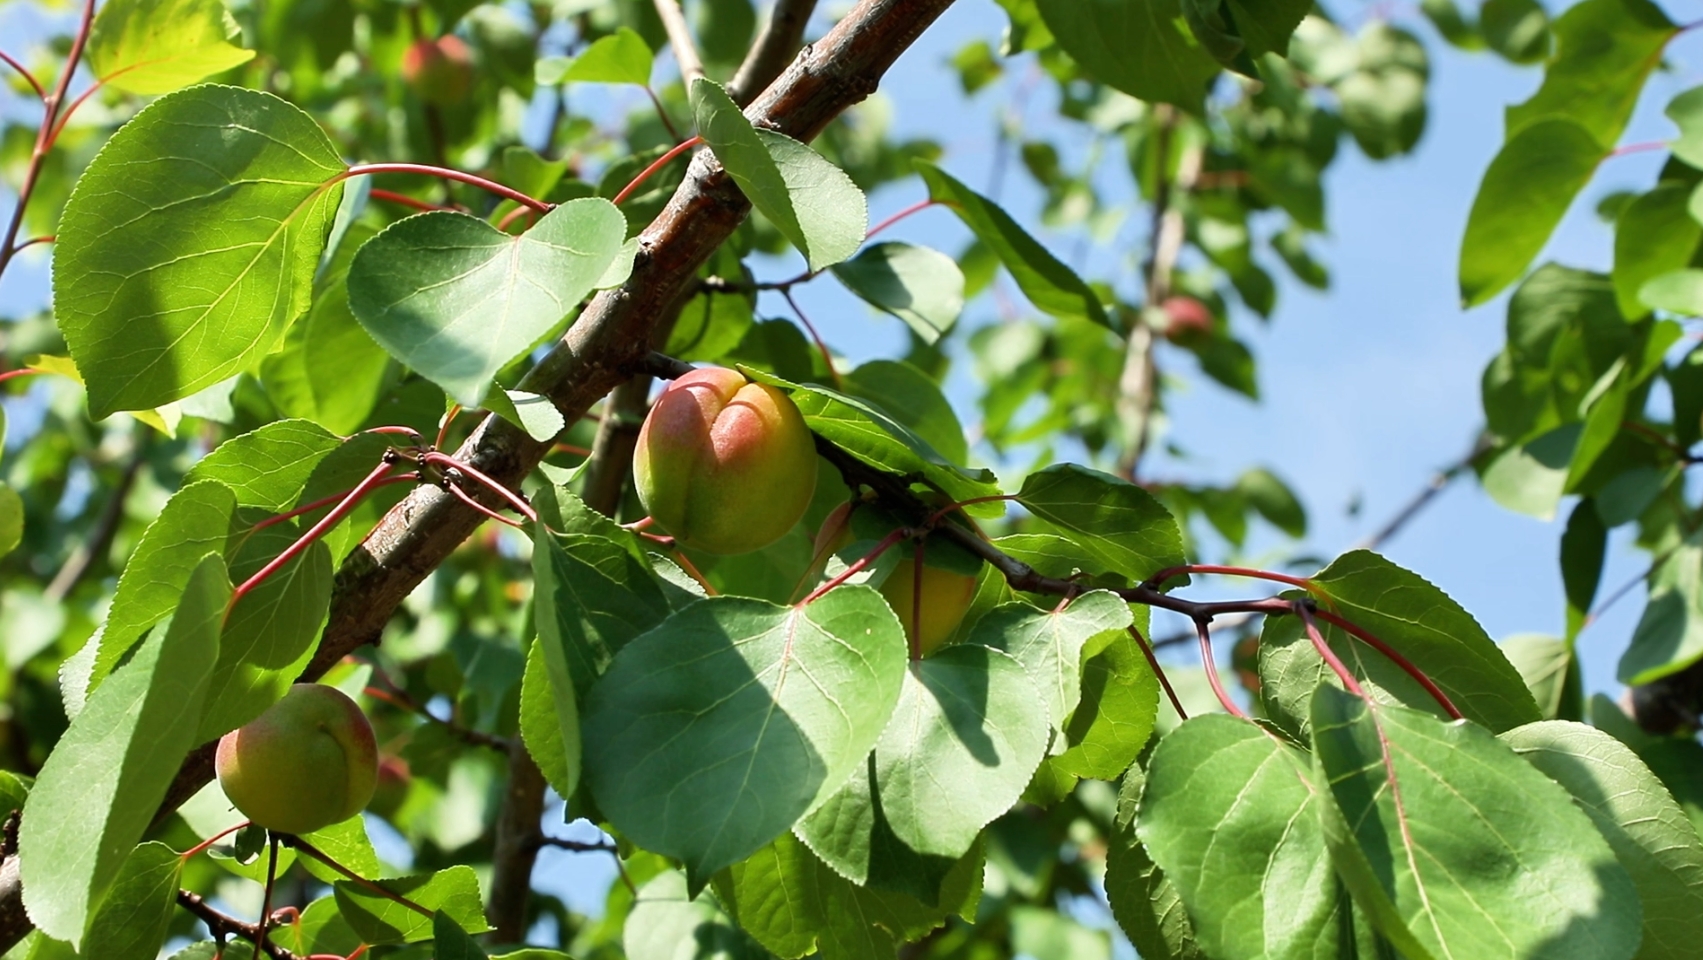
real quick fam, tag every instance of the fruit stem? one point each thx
(1158, 671)
(442, 173)
(692, 570)
(1159, 578)
(916, 600)
(306, 540)
(322, 857)
(1407, 666)
(858, 567)
(661, 162)
(215, 838)
(462, 495)
(1204, 631)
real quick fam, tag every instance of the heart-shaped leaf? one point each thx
(923, 287)
(1049, 644)
(715, 732)
(457, 299)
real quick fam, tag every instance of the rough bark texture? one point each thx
(607, 345)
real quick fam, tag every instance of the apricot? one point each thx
(946, 594)
(1186, 320)
(440, 71)
(724, 465)
(308, 762)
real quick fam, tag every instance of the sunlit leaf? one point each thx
(157, 46)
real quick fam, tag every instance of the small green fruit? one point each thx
(308, 762)
(723, 464)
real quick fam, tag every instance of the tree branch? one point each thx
(598, 353)
(224, 926)
(680, 40)
(782, 35)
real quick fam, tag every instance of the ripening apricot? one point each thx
(308, 762)
(439, 71)
(1186, 320)
(723, 464)
(946, 594)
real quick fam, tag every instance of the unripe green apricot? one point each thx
(723, 464)
(308, 762)
(946, 594)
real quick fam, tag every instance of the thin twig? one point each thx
(86, 554)
(680, 40)
(783, 34)
(223, 925)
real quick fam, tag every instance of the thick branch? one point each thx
(597, 354)
(224, 926)
(782, 35)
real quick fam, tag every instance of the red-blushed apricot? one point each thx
(439, 71)
(308, 762)
(723, 464)
(1186, 320)
(946, 594)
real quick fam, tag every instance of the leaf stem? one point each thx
(658, 164)
(328, 501)
(44, 135)
(858, 567)
(661, 112)
(1204, 631)
(318, 530)
(374, 886)
(1304, 611)
(448, 462)
(215, 838)
(821, 346)
(26, 74)
(1158, 579)
(266, 894)
(895, 218)
(1407, 666)
(443, 173)
(1158, 671)
(405, 200)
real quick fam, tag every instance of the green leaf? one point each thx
(157, 46)
(195, 522)
(456, 299)
(549, 723)
(1679, 291)
(1047, 282)
(1274, 501)
(1049, 644)
(348, 844)
(133, 919)
(1118, 524)
(111, 768)
(1456, 848)
(594, 596)
(621, 57)
(1138, 46)
(1528, 187)
(1143, 900)
(269, 636)
(11, 519)
(1649, 833)
(1551, 673)
(1686, 111)
(794, 904)
(1653, 236)
(320, 930)
(1383, 102)
(1583, 546)
(809, 200)
(1530, 478)
(1669, 635)
(667, 923)
(535, 414)
(269, 467)
(884, 442)
(963, 742)
(1228, 813)
(850, 833)
(908, 395)
(450, 942)
(329, 371)
(379, 919)
(920, 286)
(1417, 620)
(700, 709)
(1516, 29)
(1115, 718)
(1604, 51)
(233, 192)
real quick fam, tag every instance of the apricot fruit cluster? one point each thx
(723, 464)
(306, 763)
